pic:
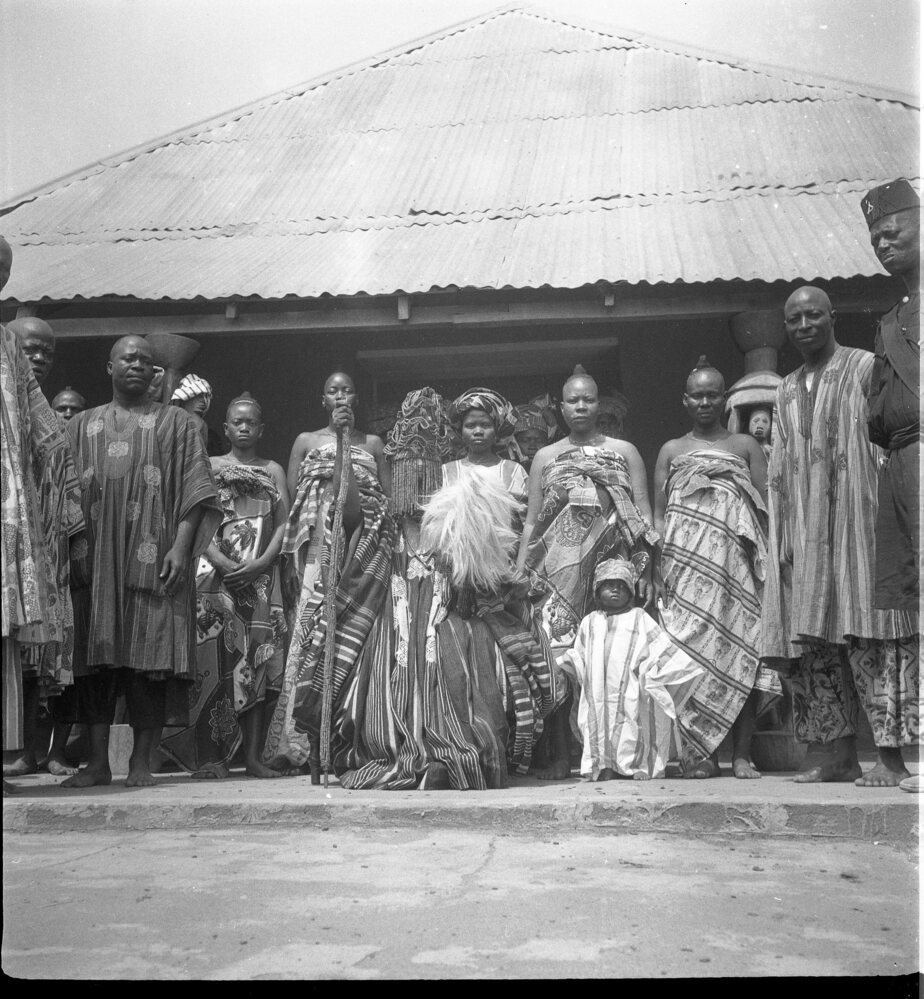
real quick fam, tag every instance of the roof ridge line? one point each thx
(214, 121)
(726, 58)
(529, 9)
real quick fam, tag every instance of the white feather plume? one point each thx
(469, 523)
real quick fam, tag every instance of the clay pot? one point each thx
(759, 336)
(174, 353)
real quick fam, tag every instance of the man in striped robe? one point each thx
(819, 619)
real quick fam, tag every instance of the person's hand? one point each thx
(343, 416)
(290, 583)
(221, 563)
(657, 594)
(518, 587)
(244, 574)
(175, 569)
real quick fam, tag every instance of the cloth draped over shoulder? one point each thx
(895, 424)
(713, 566)
(413, 704)
(588, 513)
(40, 507)
(241, 633)
(452, 675)
(40, 511)
(633, 679)
(59, 500)
(361, 592)
(137, 484)
(823, 504)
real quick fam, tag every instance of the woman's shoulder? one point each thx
(512, 469)
(307, 439)
(672, 447)
(550, 451)
(621, 447)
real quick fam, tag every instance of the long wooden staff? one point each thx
(330, 601)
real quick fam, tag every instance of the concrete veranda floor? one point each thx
(771, 806)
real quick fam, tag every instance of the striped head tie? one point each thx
(190, 387)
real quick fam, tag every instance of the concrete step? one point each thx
(772, 806)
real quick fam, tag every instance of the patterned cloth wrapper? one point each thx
(190, 387)
(240, 633)
(361, 591)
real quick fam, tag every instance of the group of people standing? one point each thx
(473, 597)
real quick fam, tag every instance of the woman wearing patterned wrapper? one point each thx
(710, 490)
(240, 623)
(293, 741)
(588, 499)
(487, 641)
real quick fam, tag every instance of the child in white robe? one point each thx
(633, 680)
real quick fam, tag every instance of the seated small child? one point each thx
(760, 423)
(633, 680)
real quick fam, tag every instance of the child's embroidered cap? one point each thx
(615, 569)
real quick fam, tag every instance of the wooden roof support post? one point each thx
(231, 311)
(609, 296)
(404, 307)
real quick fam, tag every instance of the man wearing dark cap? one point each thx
(892, 212)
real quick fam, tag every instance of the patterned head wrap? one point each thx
(621, 569)
(613, 569)
(537, 414)
(500, 411)
(190, 387)
(417, 445)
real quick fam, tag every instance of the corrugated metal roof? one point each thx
(776, 235)
(516, 151)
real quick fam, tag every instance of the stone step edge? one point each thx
(894, 822)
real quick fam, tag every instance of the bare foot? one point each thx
(639, 775)
(830, 771)
(299, 771)
(254, 768)
(9, 789)
(213, 771)
(88, 778)
(882, 775)
(139, 775)
(607, 773)
(21, 767)
(703, 770)
(559, 770)
(744, 769)
(57, 767)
